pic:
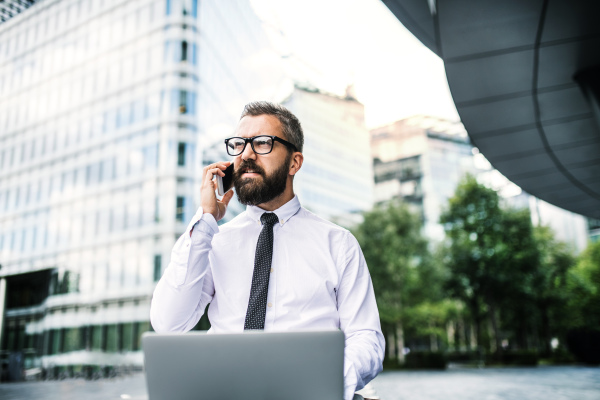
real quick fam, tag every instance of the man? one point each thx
(275, 266)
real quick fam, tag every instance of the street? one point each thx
(547, 383)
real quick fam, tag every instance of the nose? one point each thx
(248, 153)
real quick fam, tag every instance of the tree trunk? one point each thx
(451, 332)
(400, 342)
(433, 345)
(391, 345)
(462, 335)
(494, 320)
(546, 335)
(477, 319)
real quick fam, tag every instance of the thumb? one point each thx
(226, 197)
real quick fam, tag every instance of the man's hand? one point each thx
(210, 203)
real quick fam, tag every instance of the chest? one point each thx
(303, 267)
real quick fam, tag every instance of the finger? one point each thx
(212, 172)
(227, 197)
(219, 165)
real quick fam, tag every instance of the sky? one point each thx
(333, 43)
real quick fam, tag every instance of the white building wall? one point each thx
(336, 179)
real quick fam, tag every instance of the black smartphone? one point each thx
(225, 183)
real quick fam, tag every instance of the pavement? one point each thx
(546, 383)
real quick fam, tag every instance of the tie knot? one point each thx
(269, 219)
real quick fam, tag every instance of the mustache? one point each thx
(248, 165)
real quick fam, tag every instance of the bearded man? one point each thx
(305, 273)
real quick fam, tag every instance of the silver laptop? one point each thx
(244, 366)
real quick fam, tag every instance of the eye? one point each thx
(262, 141)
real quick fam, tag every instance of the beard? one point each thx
(255, 191)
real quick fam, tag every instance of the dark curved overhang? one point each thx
(511, 67)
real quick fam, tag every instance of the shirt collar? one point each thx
(284, 213)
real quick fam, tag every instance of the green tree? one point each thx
(473, 223)
(400, 266)
(492, 254)
(549, 288)
(584, 290)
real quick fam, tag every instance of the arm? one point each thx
(187, 286)
(359, 320)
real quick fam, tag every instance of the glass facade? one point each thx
(107, 109)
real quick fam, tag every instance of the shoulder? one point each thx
(321, 229)
(321, 224)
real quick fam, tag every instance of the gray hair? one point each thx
(291, 128)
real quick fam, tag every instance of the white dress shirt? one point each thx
(319, 281)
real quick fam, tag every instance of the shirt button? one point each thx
(270, 305)
(272, 270)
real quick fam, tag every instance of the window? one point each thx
(97, 337)
(126, 337)
(50, 341)
(179, 211)
(33, 236)
(184, 52)
(112, 338)
(183, 102)
(157, 267)
(194, 54)
(181, 154)
(156, 209)
(138, 329)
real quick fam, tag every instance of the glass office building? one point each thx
(336, 179)
(107, 109)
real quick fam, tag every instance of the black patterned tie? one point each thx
(257, 304)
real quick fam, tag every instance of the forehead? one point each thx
(250, 126)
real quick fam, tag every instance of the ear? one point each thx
(296, 164)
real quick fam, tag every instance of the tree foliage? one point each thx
(513, 282)
(407, 278)
(393, 248)
(583, 285)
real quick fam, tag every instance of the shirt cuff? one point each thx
(207, 219)
(206, 225)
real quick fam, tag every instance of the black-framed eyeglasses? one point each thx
(262, 144)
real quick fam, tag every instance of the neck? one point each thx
(280, 200)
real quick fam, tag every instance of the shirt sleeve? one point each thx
(359, 320)
(186, 286)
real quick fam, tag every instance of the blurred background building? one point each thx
(336, 181)
(421, 160)
(105, 109)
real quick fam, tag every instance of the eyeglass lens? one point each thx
(260, 144)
